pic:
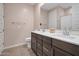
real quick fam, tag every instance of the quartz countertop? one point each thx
(73, 39)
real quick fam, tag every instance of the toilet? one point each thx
(28, 42)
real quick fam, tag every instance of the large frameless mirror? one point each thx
(61, 16)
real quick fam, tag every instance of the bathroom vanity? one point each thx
(52, 44)
(62, 42)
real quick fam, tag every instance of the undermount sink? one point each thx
(58, 34)
(67, 36)
(62, 35)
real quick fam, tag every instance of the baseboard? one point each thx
(14, 45)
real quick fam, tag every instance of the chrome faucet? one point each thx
(66, 31)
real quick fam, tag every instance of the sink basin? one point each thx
(67, 36)
(59, 35)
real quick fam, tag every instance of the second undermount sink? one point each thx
(66, 36)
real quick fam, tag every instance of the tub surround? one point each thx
(54, 44)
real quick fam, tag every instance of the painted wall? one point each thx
(44, 19)
(40, 16)
(18, 23)
(37, 16)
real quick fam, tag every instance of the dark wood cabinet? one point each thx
(46, 46)
(41, 45)
(33, 42)
(59, 52)
(39, 52)
(37, 44)
(65, 46)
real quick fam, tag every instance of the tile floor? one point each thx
(18, 51)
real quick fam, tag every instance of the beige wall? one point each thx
(37, 17)
(40, 16)
(18, 23)
(44, 18)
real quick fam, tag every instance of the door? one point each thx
(1, 27)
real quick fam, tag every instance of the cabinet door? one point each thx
(39, 52)
(46, 46)
(39, 45)
(52, 51)
(59, 52)
(33, 42)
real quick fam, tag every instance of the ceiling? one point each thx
(49, 6)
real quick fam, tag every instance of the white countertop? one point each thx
(58, 35)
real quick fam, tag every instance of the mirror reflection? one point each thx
(60, 16)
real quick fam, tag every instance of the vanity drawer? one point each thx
(68, 47)
(39, 36)
(47, 40)
(33, 34)
(59, 52)
(46, 45)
